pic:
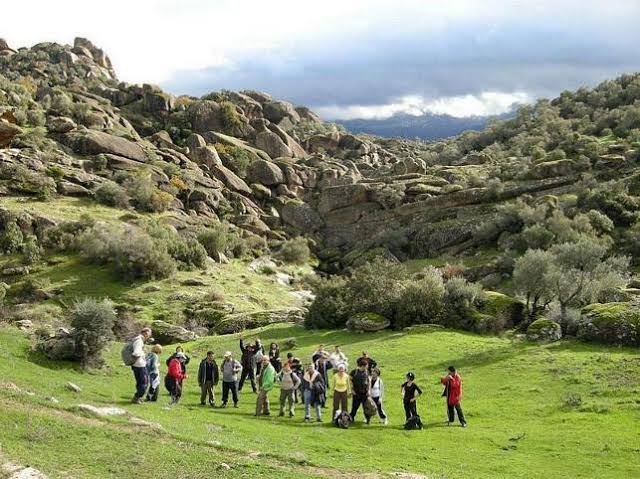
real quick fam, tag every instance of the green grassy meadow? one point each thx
(560, 410)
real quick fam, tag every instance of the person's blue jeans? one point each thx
(308, 398)
(142, 381)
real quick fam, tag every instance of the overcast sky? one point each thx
(351, 58)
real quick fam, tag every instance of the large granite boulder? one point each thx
(7, 132)
(301, 216)
(265, 173)
(165, 333)
(367, 322)
(272, 144)
(60, 124)
(544, 330)
(230, 179)
(91, 142)
(276, 111)
(205, 155)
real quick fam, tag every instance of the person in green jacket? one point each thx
(266, 381)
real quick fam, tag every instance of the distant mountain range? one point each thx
(428, 126)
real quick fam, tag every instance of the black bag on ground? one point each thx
(342, 419)
(413, 423)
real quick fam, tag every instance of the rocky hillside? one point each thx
(271, 170)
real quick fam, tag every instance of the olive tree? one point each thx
(531, 280)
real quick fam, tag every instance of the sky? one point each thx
(352, 58)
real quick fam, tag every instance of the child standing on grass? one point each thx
(153, 370)
(410, 393)
(453, 392)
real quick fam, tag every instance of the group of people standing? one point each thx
(326, 374)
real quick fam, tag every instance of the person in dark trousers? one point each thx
(410, 393)
(371, 363)
(360, 386)
(231, 369)
(208, 376)
(377, 394)
(258, 353)
(274, 357)
(453, 392)
(153, 370)
(139, 365)
(247, 360)
(296, 366)
(322, 366)
(179, 349)
(175, 376)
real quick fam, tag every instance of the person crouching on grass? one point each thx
(266, 380)
(410, 393)
(453, 392)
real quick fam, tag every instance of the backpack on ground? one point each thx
(370, 408)
(413, 423)
(342, 419)
(127, 354)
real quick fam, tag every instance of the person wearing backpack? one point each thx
(133, 356)
(183, 364)
(153, 370)
(410, 394)
(453, 392)
(266, 381)
(313, 389)
(377, 394)
(289, 384)
(360, 385)
(208, 376)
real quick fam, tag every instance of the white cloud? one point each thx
(484, 104)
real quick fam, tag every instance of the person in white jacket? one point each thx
(139, 365)
(377, 394)
(337, 357)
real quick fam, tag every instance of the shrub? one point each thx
(421, 301)
(145, 195)
(188, 252)
(11, 237)
(31, 250)
(295, 251)
(236, 158)
(571, 400)
(133, 253)
(111, 193)
(461, 298)
(215, 239)
(55, 172)
(376, 286)
(31, 289)
(93, 322)
(331, 308)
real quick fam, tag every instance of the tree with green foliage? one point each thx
(531, 280)
(92, 321)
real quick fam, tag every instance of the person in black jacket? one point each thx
(274, 357)
(208, 376)
(410, 393)
(248, 366)
(371, 363)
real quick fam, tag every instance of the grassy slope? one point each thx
(513, 398)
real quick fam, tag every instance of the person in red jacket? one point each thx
(453, 392)
(175, 376)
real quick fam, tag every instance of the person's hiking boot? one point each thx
(318, 420)
(138, 401)
(235, 405)
(266, 413)
(307, 419)
(212, 404)
(464, 424)
(281, 414)
(223, 405)
(385, 421)
(202, 403)
(291, 414)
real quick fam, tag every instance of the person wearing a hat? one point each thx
(175, 376)
(265, 383)
(410, 393)
(231, 369)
